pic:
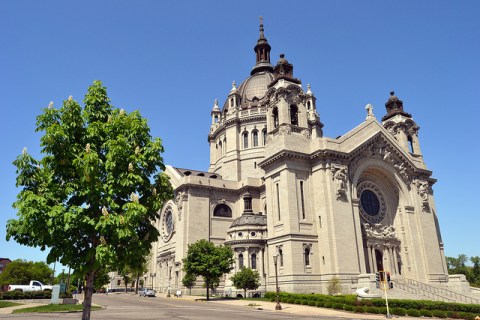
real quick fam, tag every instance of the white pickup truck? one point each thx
(33, 286)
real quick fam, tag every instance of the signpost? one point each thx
(382, 281)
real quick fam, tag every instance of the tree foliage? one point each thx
(189, 281)
(93, 197)
(22, 272)
(460, 265)
(246, 279)
(208, 261)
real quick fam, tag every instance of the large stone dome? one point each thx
(255, 86)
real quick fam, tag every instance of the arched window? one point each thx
(224, 145)
(306, 254)
(255, 138)
(294, 115)
(280, 257)
(222, 210)
(410, 144)
(275, 117)
(240, 261)
(215, 118)
(264, 134)
(253, 263)
(245, 140)
(220, 148)
(309, 105)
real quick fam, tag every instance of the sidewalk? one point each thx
(9, 310)
(292, 308)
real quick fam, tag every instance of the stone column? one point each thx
(370, 261)
(374, 259)
(395, 259)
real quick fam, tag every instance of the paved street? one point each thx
(127, 306)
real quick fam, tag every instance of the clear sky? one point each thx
(171, 59)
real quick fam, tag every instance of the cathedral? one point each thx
(325, 207)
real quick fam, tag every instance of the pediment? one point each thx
(371, 141)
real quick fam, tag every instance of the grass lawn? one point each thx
(6, 304)
(55, 308)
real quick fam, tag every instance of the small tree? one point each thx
(246, 279)
(334, 287)
(188, 281)
(94, 196)
(208, 261)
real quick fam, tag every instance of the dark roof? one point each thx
(190, 172)
(250, 220)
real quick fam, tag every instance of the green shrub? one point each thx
(298, 301)
(398, 311)
(320, 304)
(304, 302)
(291, 300)
(453, 315)
(371, 309)
(426, 313)
(338, 306)
(328, 305)
(359, 309)
(312, 303)
(439, 313)
(348, 307)
(413, 313)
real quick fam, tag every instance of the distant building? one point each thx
(342, 207)
(4, 262)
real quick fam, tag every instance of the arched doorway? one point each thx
(379, 259)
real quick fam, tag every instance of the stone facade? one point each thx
(344, 207)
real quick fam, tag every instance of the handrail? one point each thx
(442, 293)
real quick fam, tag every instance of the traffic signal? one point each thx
(377, 280)
(388, 277)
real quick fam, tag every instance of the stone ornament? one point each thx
(423, 192)
(339, 175)
(379, 231)
(179, 198)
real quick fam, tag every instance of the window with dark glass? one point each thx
(240, 261)
(294, 115)
(255, 138)
(264, 133)
(222, 210)
(275, 117)
(245, 140)
(253, 263)
(280, 257)
(369, 202)
(302, 200)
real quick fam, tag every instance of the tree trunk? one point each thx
(87, 302)
(207, 283)
(244, 293)
(136, 284)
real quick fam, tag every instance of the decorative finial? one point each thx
(24, 151)
(70, 98)
(130, 167)
(262, 36)
(50, 105)
(369, 109)
(87, 148)
(122, 112)
(392, 93)
(309, 91)
(234, 87)
(215, 105)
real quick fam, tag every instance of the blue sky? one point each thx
(171, 59)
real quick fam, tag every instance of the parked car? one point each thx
(33, 286)
(146, 292)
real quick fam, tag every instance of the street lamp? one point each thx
(277, 299)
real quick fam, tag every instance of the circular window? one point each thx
(370, 203)
(253, 234)
(373, 207)
(240, 234)
(167, 224)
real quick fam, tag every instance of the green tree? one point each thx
(188, 281)
(208, 261)
(22, 272)
(246, 279)
(94, 196)
(475, 272)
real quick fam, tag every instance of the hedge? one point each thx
(27, 295)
